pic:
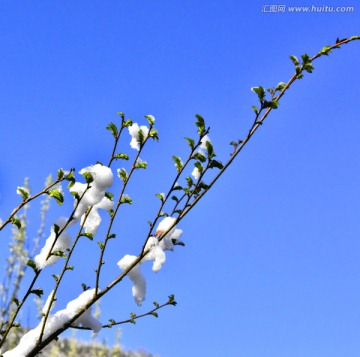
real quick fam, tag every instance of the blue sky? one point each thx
(271, 262)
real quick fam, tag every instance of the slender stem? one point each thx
(28, 200)
(21, 303)
(58, 281)
(131, 320)
(133, 168)
(58, 234)
(179, 173)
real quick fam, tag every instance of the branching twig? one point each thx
(134, 317)
(194, 196)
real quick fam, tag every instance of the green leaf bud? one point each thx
(114, 130)
(57, 195)
(260, 91)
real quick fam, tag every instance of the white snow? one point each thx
(134, 132)
(136, 276)
(56, 322)
(196, 173)
(156, 254)
(62, 243)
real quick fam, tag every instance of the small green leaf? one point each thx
(177, 187)
(199, 156)
(70, 267)
(75, 194)
(16, 221)
(122, 115)
(154, 134)
(122, 174)
(140, 164)
(121, 157)
(87, 235)
(189, 181)
(354, 38)
(57, 195)
(161, 196)
(60, 174)
(101, 245)
(175, 198)
(132, 318)
(308, 67)
(70, 177)
(280, 86)
(38, 292)
(154, 314)
(16, 324)
(294, 60)
(191, 142)
(141, 136)
(85, 287)
(88, 177)
(235, 144)
(112, 321)
(156, 303)
(56, 229)
(272, 104)
(58, 253)
(16, 301)
(255, 109)
(23, 192)
(199, 166)
(150, 119)
(260, 91)
(203, 185)
(111, 236)
(178, 163)
(200, 124)
(114, 130)
(209, 149)
(30, 263)
(128, 123)
(126, 199)
(109, 195)
(325, 50)
(56, 277)
(306, 58)
(215, 163)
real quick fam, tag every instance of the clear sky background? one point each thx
(271, 263)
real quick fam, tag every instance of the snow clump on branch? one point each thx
(94, 196)
(156, 254)
(63, 242)
(135, 137)
(196, 173)
(204, 140)
(56, 322)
